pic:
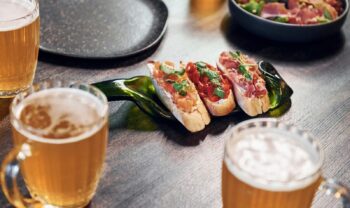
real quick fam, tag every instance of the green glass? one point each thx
(279, 91)
(138, 89)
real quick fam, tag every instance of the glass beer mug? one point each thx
(19, 44)
(60, 134)
(269, 164)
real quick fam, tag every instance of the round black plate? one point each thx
(101, 29)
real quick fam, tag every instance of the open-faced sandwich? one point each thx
(249, 87)
(212, 86)
(179, 94)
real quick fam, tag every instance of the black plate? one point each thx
(283, 31)
(101, 29)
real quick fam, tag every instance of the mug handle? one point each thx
(337, 189)
(10, 169)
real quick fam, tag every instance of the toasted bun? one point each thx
(194, 121)
(250, 105)
(221, 107)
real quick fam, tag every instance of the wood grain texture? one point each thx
(162, 165)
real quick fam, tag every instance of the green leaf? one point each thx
(235, 55)
(166, 69)
(178, 86)
(201, 64)
(245, 72)
(212, 74)
(327, 14)
(219, 92)
(181, 87)
(281, 19)
(253, 7)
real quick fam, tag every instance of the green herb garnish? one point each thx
(236, 55)
(242, 67)
(211, 74)
(201, 64)
(245, 72)
(218, 91)
(181, 87)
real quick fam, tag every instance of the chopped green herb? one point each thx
(211, 74)
(245, 72)
(181, 87)
(201, 64)
(219, 92)
(166, 69)
(177, 86)
(235, 55)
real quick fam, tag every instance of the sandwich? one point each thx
(179, 95)
(248, 85)
(213, 88)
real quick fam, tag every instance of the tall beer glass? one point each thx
(269, 164)
(60, 137)
(19, 45)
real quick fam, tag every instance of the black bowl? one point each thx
(283, 31)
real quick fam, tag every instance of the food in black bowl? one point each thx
(301, 12)
(290, 20)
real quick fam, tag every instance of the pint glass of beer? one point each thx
(19, 45)
(269, 164)
(60, 135)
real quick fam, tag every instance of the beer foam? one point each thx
(272, 159)
(59, 114)
(17, 14)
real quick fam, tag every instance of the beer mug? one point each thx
(270, 164)
(19, 43)
(60, 134)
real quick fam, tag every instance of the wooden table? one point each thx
(152, 164)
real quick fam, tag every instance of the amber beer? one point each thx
(19, 44)
(269, 168)
(63, 134)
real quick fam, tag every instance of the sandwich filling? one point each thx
(175, 82)
(244, 72)
(209, 81)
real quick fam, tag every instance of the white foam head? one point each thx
(16, 14)
(272, 159)
(63, 106)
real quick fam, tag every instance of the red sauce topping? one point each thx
(204, 85)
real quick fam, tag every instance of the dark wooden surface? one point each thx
(157, 164)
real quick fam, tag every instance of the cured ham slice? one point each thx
(274, 9)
